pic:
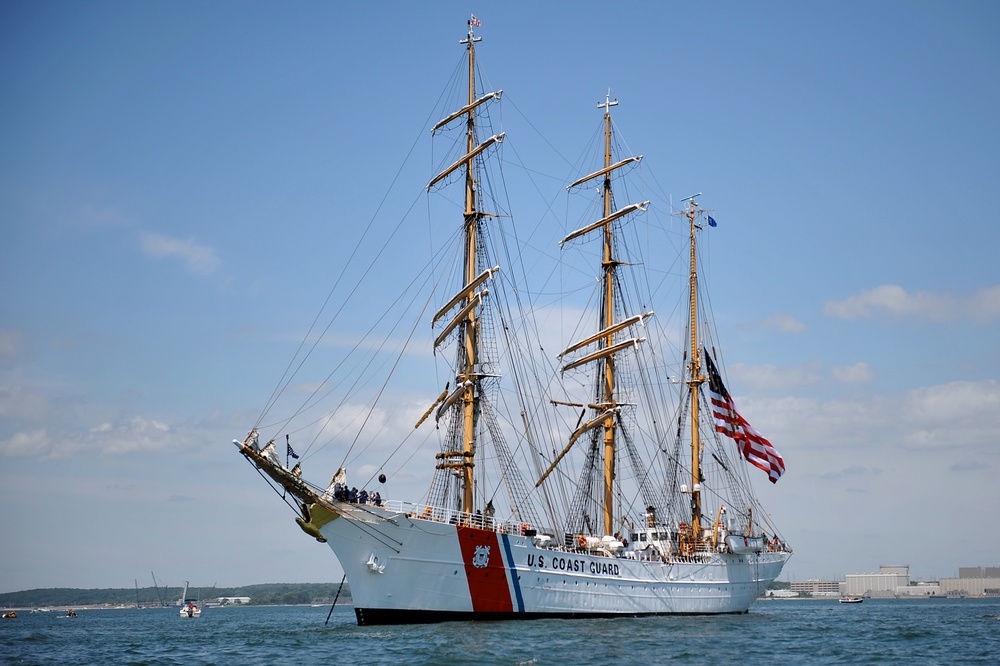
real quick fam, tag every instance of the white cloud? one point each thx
(748, 379)
(752, 378)
(950, 415)
(22, 403)
(137, 434)
(12, 347)
(893, 301)
(985, 304)
(11, 343)
(969, 466)
(853, 470)
(98, 216)
(859, 373)
(961, 416)
(200, 259)
(784, 323)
(27, 444)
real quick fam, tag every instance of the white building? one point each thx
(883, 584)
(920, 589)
(233, 601)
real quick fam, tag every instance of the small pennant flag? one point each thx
(291, 452)
(712, 222)
(475, 22)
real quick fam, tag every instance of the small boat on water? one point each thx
(188, 606)
(12, 615)
(603, 481)
(851, 600)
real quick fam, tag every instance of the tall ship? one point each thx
(612, 478)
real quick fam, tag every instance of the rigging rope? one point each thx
(280, 388)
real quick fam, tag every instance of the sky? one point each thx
(180, 184)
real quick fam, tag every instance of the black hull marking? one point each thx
(375, 616)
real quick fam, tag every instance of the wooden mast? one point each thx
(469, 337)
(697, 378)
(605, 404)
(607, 393)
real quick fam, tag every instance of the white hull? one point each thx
(413, 570)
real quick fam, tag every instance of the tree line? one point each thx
(267, 594)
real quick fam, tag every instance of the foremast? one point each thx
(468, 333)
(458, 456)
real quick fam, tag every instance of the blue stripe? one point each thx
(513, 572)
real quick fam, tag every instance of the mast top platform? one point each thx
(473, 22)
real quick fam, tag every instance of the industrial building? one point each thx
(883, 584)
(816, 588)
(973, 582)
(893, 581)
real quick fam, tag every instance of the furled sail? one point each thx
(627, 210)
(473, 303)
(605, 171)
(465, 291)
(603, 353)
(601, 335)
(496, 138)
(466, 109)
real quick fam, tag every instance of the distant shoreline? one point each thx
(63, 608)
(267, 594)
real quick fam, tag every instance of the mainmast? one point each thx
(606, 403)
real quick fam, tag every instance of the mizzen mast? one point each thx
(692, 213)
(608, 264)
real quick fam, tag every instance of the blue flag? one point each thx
(711, 221)
(291, 452)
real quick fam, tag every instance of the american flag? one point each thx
(755, 448)
(475, 22)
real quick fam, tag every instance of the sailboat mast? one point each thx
(469, 351)
(607, 397)
(697, 379)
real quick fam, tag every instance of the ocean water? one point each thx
(789, 632)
